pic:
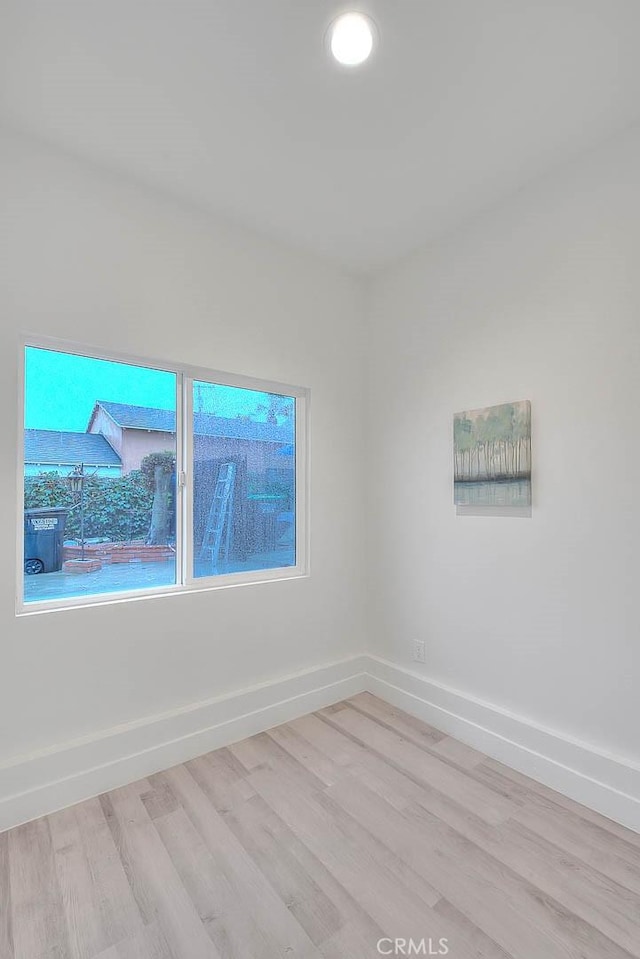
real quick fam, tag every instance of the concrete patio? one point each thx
(114, 578)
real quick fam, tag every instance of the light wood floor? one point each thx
(316, 840)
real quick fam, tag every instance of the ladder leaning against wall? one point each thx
(217, 534)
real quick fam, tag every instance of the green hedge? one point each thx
(119, 509)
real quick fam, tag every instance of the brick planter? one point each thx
(81, 566)
(107, 553)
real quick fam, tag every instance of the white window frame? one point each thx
(185, 581)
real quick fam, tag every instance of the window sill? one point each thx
(230, 581)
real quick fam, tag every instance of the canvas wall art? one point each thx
(492, 456)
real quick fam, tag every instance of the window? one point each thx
(244, 485)
(140, 478)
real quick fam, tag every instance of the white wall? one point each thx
(90, 257)
(537, 299)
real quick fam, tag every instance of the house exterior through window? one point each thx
(178, 479)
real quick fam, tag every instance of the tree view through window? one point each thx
(102, 458)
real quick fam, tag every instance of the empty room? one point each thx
(319, 365)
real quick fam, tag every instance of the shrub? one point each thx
(116, 508)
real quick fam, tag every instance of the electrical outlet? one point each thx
(419, 652)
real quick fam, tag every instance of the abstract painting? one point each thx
(492, 456)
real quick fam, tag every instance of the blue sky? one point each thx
(61, 389)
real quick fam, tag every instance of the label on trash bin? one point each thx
(44, 522)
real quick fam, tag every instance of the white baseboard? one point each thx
(42, 782)
(606, 783)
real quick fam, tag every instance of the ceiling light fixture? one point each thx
(351, 38)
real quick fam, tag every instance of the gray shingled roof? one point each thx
(139, 417)
(164, 421)
(55, 448)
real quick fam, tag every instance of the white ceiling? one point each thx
(235, 104)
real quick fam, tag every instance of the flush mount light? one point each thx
(351, 38)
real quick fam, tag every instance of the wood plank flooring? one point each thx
(316, 840)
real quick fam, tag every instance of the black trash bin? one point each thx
(43, 539)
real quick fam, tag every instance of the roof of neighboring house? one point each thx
(56, 447)
(205, 424)
(137, 417)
